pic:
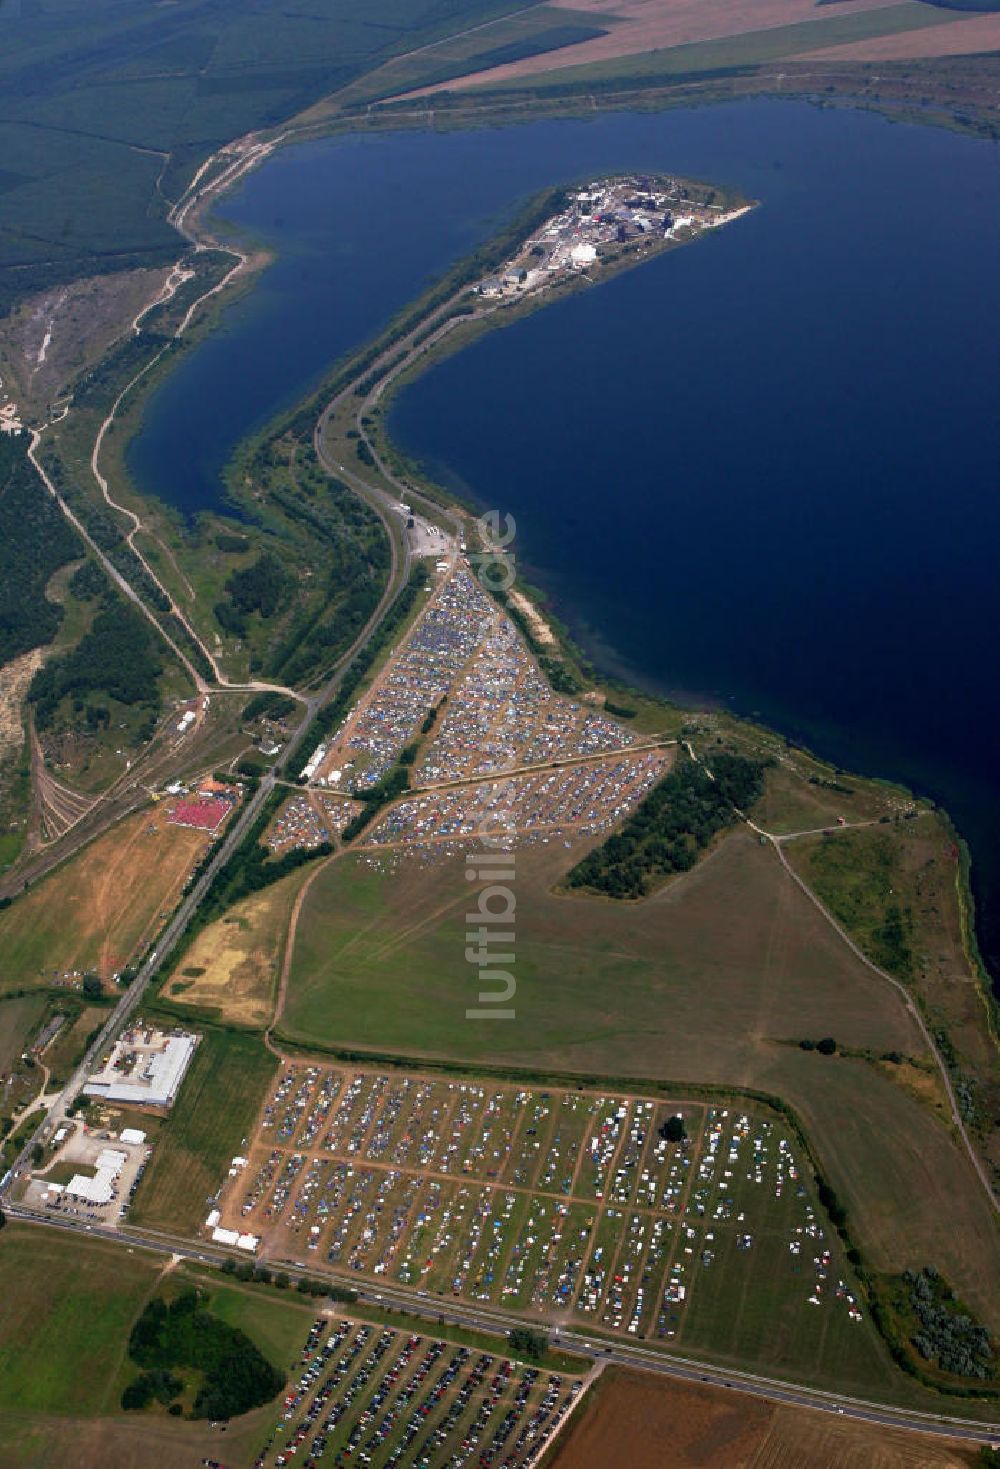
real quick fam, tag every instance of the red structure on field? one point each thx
(206, 814)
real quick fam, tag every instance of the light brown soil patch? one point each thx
(14, 680)
(649, 25)
(963, 37)
(797, 1437)
(240, 955)
(926, 1086)
(540, 629)
(649, 1422)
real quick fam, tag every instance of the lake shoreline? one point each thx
(539, 555)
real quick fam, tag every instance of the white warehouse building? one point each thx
(148, 1071)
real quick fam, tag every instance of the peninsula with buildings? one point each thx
(319, 787)
(611, 221)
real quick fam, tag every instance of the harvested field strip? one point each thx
(100, 908)
(688, 38)
(636, 1419)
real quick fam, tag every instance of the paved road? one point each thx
(168, 938)
(437, 1310)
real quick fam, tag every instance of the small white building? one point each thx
(100, 1188)
(582, 255)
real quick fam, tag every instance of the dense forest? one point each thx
(306, 597)
(675, 822)
(35, 540)
(118, 658)
(233, 1375)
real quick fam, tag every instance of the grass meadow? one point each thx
(66, 1309)
(212, 1116)
(714, 980)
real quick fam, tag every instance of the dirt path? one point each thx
(289, 949)
(908, 1002)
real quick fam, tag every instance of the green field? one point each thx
(213, 1114)
(20, 1019)
(114, 105)
(662, 990)
(68, 1305)
(65, 1311)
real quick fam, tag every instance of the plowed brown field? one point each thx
(649, 1422)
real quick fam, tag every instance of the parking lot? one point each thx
(387, 1397)
(464, 681)
(85, 1153)
(551, 805)
(563, 1204)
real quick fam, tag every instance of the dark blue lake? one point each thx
(765, 469)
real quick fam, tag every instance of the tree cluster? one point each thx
(263, 587)
(675, 822)
(251, 866)
(35, 540)
(673, 1130)
(947, 1335)
(525, 1341)
(268, 705)
(234, 1375)
(119, 657)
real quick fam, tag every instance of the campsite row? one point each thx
(386, 1398)
(605, 1208)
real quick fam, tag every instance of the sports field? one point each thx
(100, 909)
(713, 980)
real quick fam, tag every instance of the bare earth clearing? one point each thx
(53, 336)
(637, 27)
(98, 910)
(14, 680)
(239, 956)
(630, 1419)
